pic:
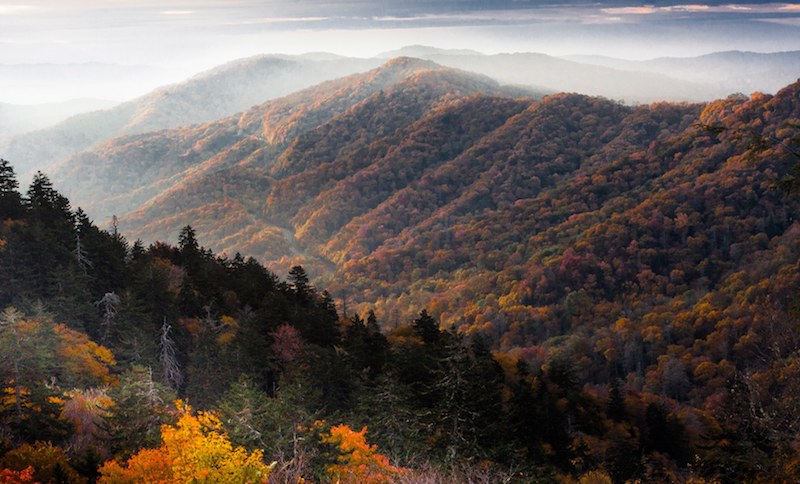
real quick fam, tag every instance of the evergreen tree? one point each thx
(189, 249)
(298, 280)
(10, 199)
(426, 328)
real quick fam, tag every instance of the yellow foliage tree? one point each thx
(358, 462)
(83, 359)
(595, 477)
(194, 450)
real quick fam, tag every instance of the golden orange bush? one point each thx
(194, 450)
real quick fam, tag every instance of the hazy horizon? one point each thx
(169, 41)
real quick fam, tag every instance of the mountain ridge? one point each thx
(499, 206)
(205, 97)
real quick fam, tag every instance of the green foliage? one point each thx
(141, 406)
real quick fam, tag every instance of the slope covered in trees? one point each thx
(409, 186)
(605, 287)
(98, 337)
(225, 168)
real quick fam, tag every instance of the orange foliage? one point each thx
(8, 476)
(44, 461)
(359, 461)
(194, 450)
(84, 358)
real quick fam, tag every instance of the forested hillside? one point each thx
(517, 289)
(411, 186)
(174, 177)
(99, 337)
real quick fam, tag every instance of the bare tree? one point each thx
(169, 359)
(108, 304)
(80, 254)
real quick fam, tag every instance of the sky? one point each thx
(159, 41)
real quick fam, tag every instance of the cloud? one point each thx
(791, 7)
(17, 9)
(630, 10)
(177, 12)
(280, 20)
(688, 8)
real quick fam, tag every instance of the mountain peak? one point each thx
(408, 63)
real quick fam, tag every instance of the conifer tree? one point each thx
(10, 199)
(298, 279)
(426, 328)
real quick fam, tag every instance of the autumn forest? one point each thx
(412, 274)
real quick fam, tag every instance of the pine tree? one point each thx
(10, 199)
(298, 279)
(188, 246)
(426, 328)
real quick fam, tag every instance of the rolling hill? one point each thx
(220, 92)
(241, 84)
(700, 78)
(415, 185)
(728, 72)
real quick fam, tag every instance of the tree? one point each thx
(10, 199)
(195, 449)
(28, 359)
(426, 328)
(48, 463)
(49, 206)
(173, 375)
(38, 360)
(189, 249)
(187, 241)
(357, 461)
(25, 476)
(298, 279)
(87, 411)
(141, 406)
(108, 305)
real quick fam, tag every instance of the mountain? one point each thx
(20, 118)
(220, 92)
(729, 72)
(337, 122)
(553, 74)
(605, 285)
(241, 84)
(415, 185)
(700, 78)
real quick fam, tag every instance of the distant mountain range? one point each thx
(238, 85)
(699, 78)
(728, 72)
(222, 91)
(19, 118)
(417, 185)
(270, 140)
(560, 75)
